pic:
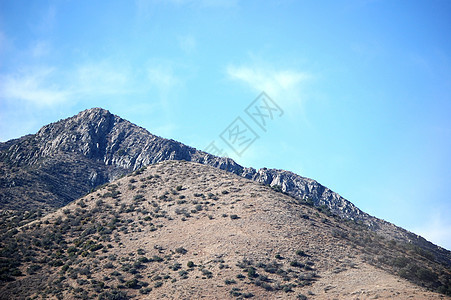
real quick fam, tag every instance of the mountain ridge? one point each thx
(66, 159)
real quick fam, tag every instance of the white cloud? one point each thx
(48, 20)
(40, 49)
(281, 85)
(48, 86)
(162, 77)
(102, 78)
(32, 86)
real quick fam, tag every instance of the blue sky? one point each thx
(365, 86)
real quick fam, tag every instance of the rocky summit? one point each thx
(43, 177)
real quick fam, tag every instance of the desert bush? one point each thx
(252, 272)
(297, 264)
(145, 291)
(33, 269)
(132, 284)
(181, 250)
(229, 281)
(207, 273)
(301, 253)
(114, 295)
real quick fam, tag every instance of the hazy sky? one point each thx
(363, 87)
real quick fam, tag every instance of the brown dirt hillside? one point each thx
(182, 230)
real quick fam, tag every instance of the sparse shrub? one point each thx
(207, 273)
(229, 281)
(252, 272)
(145, 291)
(277, 188)
(181, 250)
(156, 258)
(183, 273)
(132, 284)
(234, 217)
(33, 269)
(138, 197)
(113, 295)
(296, 264)
(267, 286)
(190, 264)
(301, 253)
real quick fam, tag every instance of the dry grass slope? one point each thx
(181, 230)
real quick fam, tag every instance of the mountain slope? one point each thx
(66, 159)
(182, 230)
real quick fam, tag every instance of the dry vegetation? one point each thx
(181, 230)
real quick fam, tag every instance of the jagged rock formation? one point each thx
(66, 159)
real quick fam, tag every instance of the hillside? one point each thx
(182, 230)
(66, 159)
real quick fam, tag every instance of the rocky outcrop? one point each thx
(66, 159)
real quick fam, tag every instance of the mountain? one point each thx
(67, 159)
(184, 230)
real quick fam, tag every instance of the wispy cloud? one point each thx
(40, 48)
(48, 20)
(102, 78)
(48, 86)
(437, 230)
(162, 77)
(33, 86)
(283, 84)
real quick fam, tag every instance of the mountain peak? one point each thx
(93, 113)
(94, 110)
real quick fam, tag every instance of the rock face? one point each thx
(66, 159)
